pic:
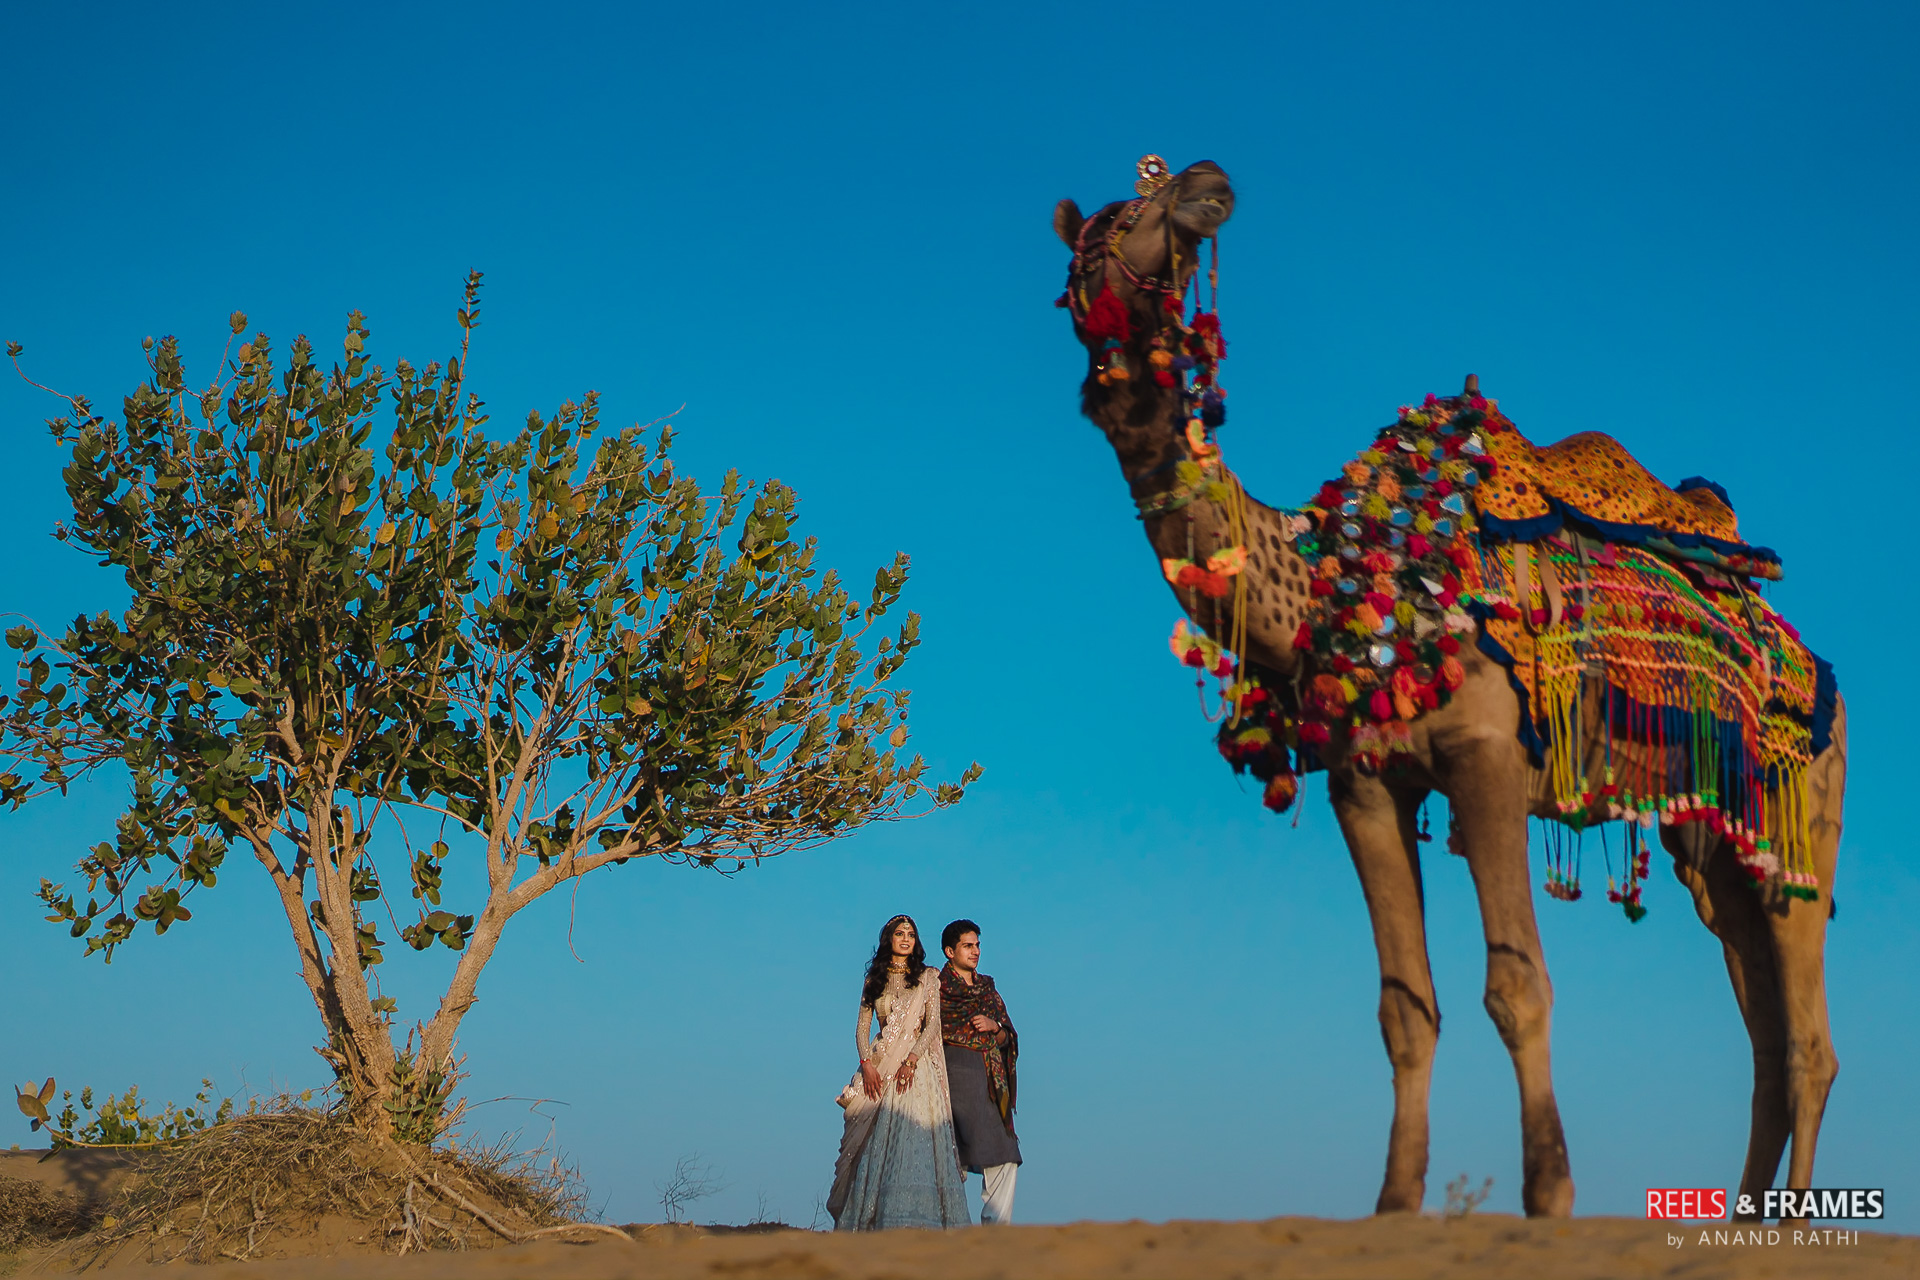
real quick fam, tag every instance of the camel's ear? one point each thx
(1067, 221)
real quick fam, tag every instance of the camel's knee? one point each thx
(1812, 1065)
(1410, 1026)
(1518, 998)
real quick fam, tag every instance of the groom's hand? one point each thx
(981, 1022)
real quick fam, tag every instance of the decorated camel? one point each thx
(1526, 631)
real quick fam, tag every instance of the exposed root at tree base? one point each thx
(285, 1180)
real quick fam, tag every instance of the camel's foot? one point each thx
(1549, 1195)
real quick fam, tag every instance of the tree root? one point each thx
(501, 1229)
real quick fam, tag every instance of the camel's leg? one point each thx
(1799, 946)
(1379, 826)
(1486, 781)
(1728, 905)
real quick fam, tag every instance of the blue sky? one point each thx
(824, 231)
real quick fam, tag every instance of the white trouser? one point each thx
(996, 1194)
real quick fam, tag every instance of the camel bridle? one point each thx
(1098, 246)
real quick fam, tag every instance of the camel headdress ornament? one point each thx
(1526, 631)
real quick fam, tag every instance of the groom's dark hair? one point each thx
(950, 936)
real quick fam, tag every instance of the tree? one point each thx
(543, 647)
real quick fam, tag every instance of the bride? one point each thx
(897, 1165)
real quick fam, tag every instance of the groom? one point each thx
(980, 1047)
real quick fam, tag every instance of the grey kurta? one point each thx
(978, 1130)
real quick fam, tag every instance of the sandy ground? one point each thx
(1482, 1246)
(1489, 1247)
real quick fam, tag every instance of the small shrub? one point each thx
(1461, 1201)
(126, 1120)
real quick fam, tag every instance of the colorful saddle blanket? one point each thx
(1589, 481)
(1615, 604)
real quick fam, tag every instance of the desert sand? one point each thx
(1483, 1246)
(1486, 1247)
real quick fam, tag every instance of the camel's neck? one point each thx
(1144, 423)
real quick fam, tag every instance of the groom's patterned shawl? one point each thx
(960, 1001)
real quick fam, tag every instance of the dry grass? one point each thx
(32, 1215)
(285, 1177)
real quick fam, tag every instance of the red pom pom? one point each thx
(1380, 706)
(1382, 605)
(1404, 651)
(1342, 663)
(1506, 612)
(1443, 487)
(1303, 638)
(1539, 617)
(1321, 587)
(1313, 734)
(1163, 377)
(1195, 657)
(1417, 545)
(1206, 326)
(1107, 317)
(1448, 645)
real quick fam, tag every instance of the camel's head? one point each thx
(1143, 251)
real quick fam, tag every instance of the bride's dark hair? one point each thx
(883, 956)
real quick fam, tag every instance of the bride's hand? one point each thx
(870, 1078)
(903, 1078)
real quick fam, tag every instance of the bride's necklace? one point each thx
(897, 964)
